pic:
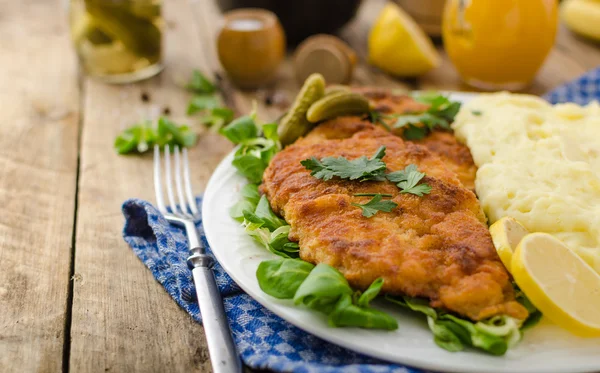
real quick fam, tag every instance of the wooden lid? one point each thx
(327, 55)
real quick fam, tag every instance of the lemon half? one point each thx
(559, 283)
(399, 46)
(506, 234)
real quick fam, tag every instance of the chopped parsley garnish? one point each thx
(364, 168)
(360, 169)
(440, 114)
(408, 179)
(476, 112)
(375, 205)
(377, 117)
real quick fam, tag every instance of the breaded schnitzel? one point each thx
(454, 154)
(436, 246)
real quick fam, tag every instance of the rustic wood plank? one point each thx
(123, 320)
(38, 166)
(585, 51)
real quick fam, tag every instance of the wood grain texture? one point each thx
(38, 166)
(123, 320)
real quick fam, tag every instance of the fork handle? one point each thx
(223, 355)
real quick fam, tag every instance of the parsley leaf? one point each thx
(413, 132)
(376, 117)
(439, 115)
(408, 179)
(200, 84)
(417, 190)
(375, 205)
(476, 112)
(361, 169)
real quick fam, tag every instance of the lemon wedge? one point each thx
(506, 234)
(399, 46)
(559, 283)
(582, 17)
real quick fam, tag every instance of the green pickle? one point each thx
(336, 104)
(118, 40)
(294, 124)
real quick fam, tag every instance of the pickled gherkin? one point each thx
(118, 40)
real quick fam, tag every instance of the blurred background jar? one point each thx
(251, 46)
(118, 41)
(301, 19)
(497, 44)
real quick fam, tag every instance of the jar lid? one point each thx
(327, 55)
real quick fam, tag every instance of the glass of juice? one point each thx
(499, 44)
(117, 41)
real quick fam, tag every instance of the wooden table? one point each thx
(73, 296)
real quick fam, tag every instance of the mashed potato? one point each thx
(539, 164)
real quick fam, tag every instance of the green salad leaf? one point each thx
(360, 169)
(207, 102)
(281, 278)
(322, 289)
(249, 201)
(256, 146)
(534, 314)
(494, 335)
(375, 205)
(275, 241)
(202, 102)
(200, 84)
(169, 133)
(370, 294)
(262, 224)
(143, 136)
(270, 220)
(347, 314)
(242, 129)
(216, 118)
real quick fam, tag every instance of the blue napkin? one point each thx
(581, 91)
(264, 340)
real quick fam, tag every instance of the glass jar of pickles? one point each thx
(118, 41)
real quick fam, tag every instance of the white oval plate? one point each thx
(545, 348)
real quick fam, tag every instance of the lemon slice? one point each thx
(506, 234)
(399, 46)
(559, 283)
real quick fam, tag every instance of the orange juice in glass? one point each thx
(499, 44)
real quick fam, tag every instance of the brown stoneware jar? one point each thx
(251, 46)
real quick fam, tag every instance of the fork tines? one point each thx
(181, 175)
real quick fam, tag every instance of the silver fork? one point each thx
(223, 355)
